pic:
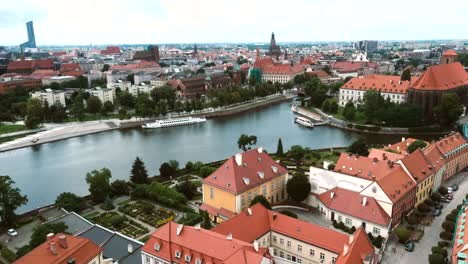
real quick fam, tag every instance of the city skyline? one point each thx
(122, 22)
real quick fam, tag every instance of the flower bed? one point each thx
(119, 223)
(146, 212)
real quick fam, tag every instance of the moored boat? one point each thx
(304, 121)
(175, 122)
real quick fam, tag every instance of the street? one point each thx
(431, 233)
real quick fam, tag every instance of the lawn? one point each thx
(5, 129)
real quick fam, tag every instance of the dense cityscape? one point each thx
(271, 152)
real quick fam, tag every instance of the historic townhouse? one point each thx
(434, 155)
(418, 166)
(231, 188)
(454, 149)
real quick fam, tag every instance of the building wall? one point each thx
(350, 221)
(357, 96)
(438, 178)
(150, 259)
(424, 190)
(380, 196)
(274, 190)
(456, 161)
(104, 95)
(218, 198)
(51, 97)
(277, 78)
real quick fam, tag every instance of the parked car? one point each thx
(454, 187)
(444, 200)
(12, 232)
(449, 190)
(436, 212)
(449, 196)
(439, 206)
(409, 246)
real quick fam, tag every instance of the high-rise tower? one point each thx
(31, 43)
(275, 50)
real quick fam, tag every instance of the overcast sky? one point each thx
(83, 22)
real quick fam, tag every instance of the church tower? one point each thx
(449, 56)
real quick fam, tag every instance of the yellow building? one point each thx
(420, 168)
(231, 188)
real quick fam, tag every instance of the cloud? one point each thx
(186, 21)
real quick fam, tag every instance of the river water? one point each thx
(44, 171)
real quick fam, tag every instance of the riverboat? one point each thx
(175, 122)
(304, 122)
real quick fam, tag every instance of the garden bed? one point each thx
(146, 212)
(120, 223)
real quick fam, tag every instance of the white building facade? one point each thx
(104, 95)
(51, 97)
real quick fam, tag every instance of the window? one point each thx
(289, 243)
(198, 261)
(274, 239)
(243, 200)
(349, 221)
(340, 219)
(299, 248)
(148, 260)
(275, 252)
(289, 257)
(264, 190)
(211, 193)
(333, 259)
(255, 193)
(322, 256)
(281, 254)
(376, 231)
(312, 252)
(250, 197)
(299, 260)
(177, 254)
(281, 241)
(272, 185)
(188, 258)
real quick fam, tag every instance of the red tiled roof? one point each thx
(383, 155)
(442, 77)
(351, 203)
(140, 65)
(70, 67)
(256, 168)
(282, 69)
(110, 50)
(434, 155)
(319, 74)
(396, 184)
(263, 62)
(351, 66)
(418, 166)
(211, 246)
(449, 52)
(39, 74)
(46, 64)
(81, 249)
(460, 243)
(250, 227)
(383, 83)
(402, 146)
(217, 212)
(363, 167)
(359, 249)
(450, 143)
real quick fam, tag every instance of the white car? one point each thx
(449, 190)
(11, 232)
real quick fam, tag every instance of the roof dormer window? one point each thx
(274, 169)
(246, 180)
(157, 246)
(261, 174)
(188, 258)
(178, 254)
(198, 261)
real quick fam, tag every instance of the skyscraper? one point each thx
(31, 43)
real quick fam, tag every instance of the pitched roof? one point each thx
(434, 155)
(403, 145)
(319, 74)
(450, 142)
(418, 166)
(396, 184)
(460, 243)
(383, 155)
(351, 66)
(442, 77)
(31, 64)
(359, 250)
(81, 249)
(449, 52)
(383, 83)
(255, 167)
(352, 203)
(248, 227)
(70, 67)
(200, 243)
(363, 167)
(282, 69)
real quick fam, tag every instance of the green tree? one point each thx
(138, 174)
(174, 164)
(261, 199)
(330, 105)
(298, 187)
(186, 188)
(70, 202)
(279, 148)
(206, 224)
(359, 147)
(327, 69)
(415, 145)
(40, 232)
(189, 166)
(10, 200)
(163, 108)
(449, 109)
(144, 106)
(349, 111)
(166, 170)
(126, 99)
(93, 105)
(98, 182)
(406, 75)
(373, 102)
(403, 234)
(108, 107)
(34, 113)
(296, 153)
(120, 187)
(77, 108)
(245, 141)
(436, 259)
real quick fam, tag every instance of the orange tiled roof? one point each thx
(396, 184)
(351, 203)
(383, 155)
(383, 83)
(434, 155)
(282, 69)
(418, 166)
(210, 246)
(256, 168)
(44, 64)
(364, 167)
(450, 142)
(449, 52)
(81, 249)
(403, 145)
(359, 250)
(319, 74)
(442, 77)
(351, 66)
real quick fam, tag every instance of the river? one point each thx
(44, 171)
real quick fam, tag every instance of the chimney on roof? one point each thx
(229, 236)
(63, 241)
(351, 239)
(345, 250)
(53, 248)
(255, 245)
(260, 149)
(50, 236)
(130, 248)
(364, 201)
(179, 229)
(239, 159)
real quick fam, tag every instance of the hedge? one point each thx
(439, 250)
(443, 244)
(436, 259)
(446, 235)
(288, 213)
(162, 194)
(448, 226)
(8, 254)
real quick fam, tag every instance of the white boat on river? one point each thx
(175, 122)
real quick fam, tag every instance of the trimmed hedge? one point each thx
(439, 250)
(443, 244)
(448, 226)
(446, 235)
